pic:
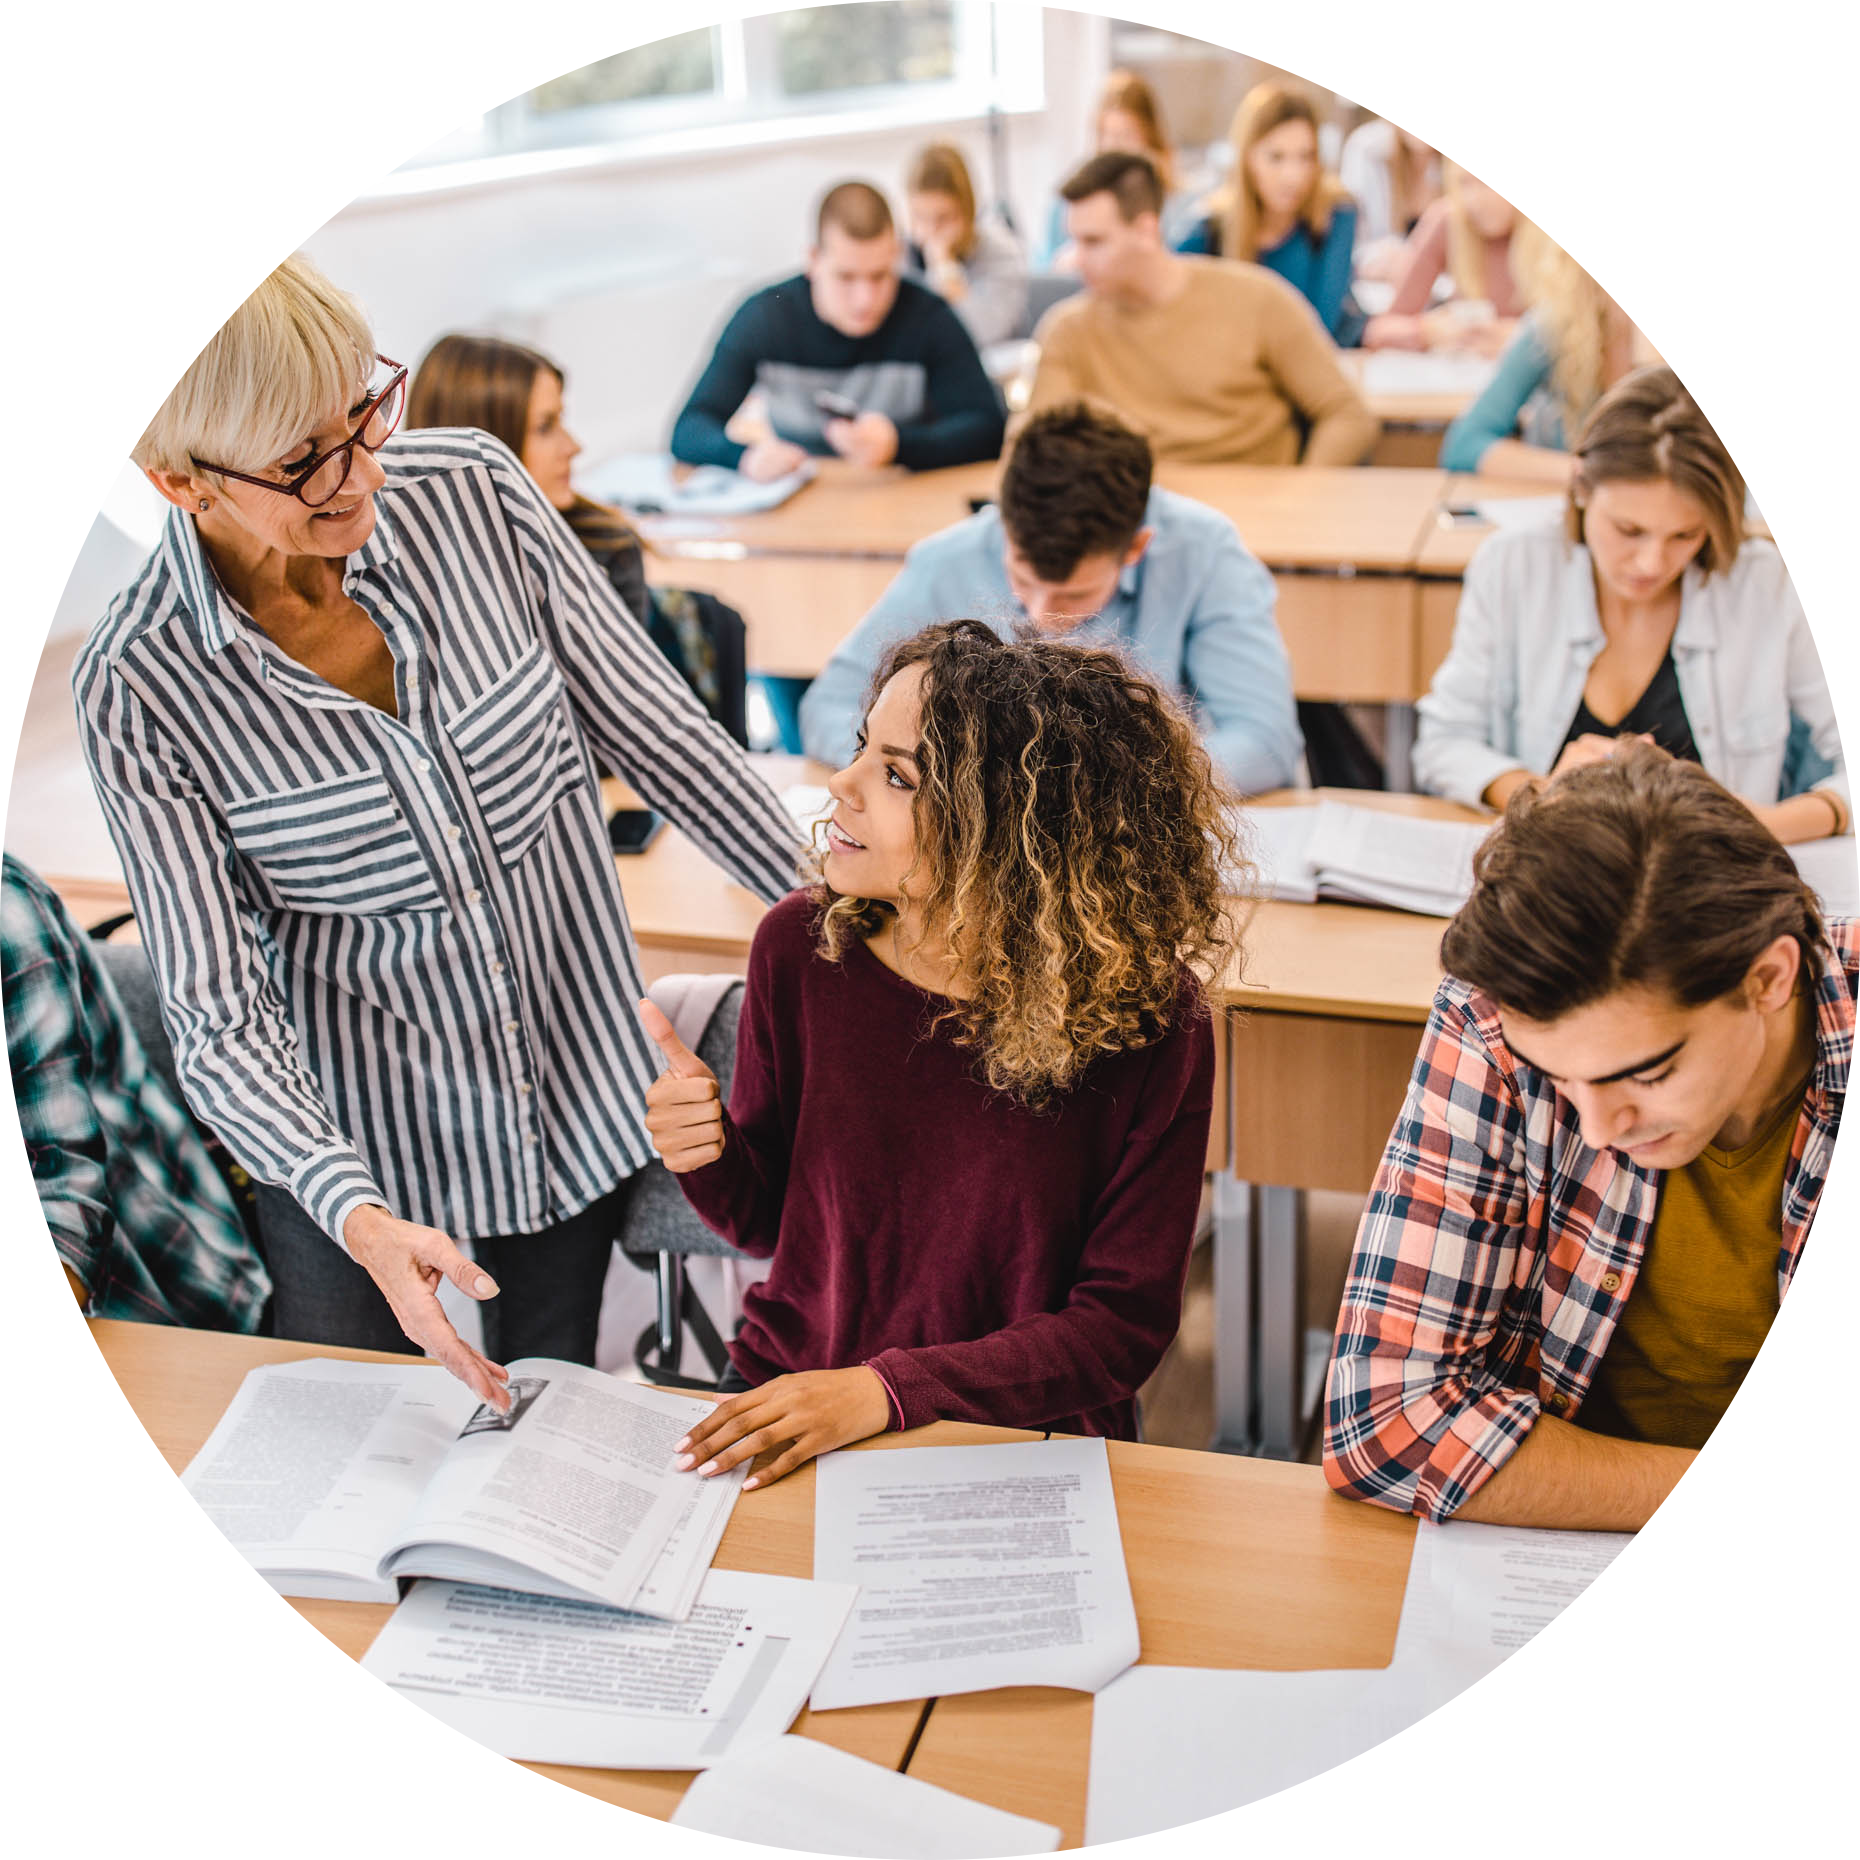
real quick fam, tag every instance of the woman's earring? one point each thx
(206, 503)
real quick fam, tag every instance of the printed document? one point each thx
(552, 1681)
(976, 1566)
(798, 1792)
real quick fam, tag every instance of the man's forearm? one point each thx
(1564, 1477)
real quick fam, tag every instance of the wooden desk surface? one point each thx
(1363, 517)
(1233, 1562)
(1445, 548)
(179, 1382)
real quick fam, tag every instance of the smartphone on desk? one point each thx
(836, 406)
(633, 829)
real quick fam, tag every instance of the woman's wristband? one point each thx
(1837, 807)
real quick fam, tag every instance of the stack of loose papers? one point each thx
(1175, 1744)
(799, 1793)
(977, 1567)
(1407, 371)
(648, 484)
(550, 1681)
(1334, 850)
(1829, 867)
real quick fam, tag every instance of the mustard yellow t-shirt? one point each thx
(1705, 1297)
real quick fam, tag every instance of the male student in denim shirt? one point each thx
(1082, 547)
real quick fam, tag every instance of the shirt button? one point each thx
(526, 1088)
(452, 833)
(510, 1026)
(1556, 1401)
(423, 766)
(1611, 1281)
(529, 1143)
(497, 968)
(472, 897)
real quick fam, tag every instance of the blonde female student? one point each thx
(1646, 611)
(975, 1066)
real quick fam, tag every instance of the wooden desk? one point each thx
(179, 1382)
(1232, 1563)
(1340, 543)
(1413, 422)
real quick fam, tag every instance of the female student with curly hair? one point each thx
(1281, 209)
(975, 1067)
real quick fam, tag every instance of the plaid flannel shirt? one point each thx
(136, 1207)
(1498, 1249)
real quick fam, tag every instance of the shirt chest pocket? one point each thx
(335, 848)
(520, 754)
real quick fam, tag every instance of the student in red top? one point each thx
(975, 1068)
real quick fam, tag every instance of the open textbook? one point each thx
(551, 1681)
(334, 1479)
(977, 1567)
(1366, 855)
(1172, 1744)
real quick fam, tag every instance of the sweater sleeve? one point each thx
(1303, 360)
(1522, 370)
(739, 1196)
(967, 420)
(698, 437)
(1426, 259)
(1330, 284)
(1125, 1301)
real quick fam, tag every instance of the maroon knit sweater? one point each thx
(991, 1263)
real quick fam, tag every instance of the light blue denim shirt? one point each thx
(1194, 613)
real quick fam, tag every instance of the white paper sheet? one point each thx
(1390, 859)
(797, 1792)
(977, 1567)
(1407, 371)
(1520, 513)
(647, 483)
(1176, 1744)
(1829, 866)
(1278, 841)
(552, 1681)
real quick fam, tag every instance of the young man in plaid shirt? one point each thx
(1607, 1163)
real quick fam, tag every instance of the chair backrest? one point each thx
(658, 1217)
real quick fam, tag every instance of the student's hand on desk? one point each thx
(768, 459)
(805, 1415)
(869, 440)
(684, 1115)
(407, 1262)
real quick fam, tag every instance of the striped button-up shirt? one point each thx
(1498, 1250)
(392, 951)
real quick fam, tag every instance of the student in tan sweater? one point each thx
(1211, 360)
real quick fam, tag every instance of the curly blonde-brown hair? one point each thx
(1074, 850)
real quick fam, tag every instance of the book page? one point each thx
(1278, 842)
(1381, 858)
(976, 1566)
(575, 1484)
(800, 1793)
(552, 1681)
(315, 1465)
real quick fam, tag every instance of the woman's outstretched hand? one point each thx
(805, 1415)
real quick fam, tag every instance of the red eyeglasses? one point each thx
(317, 480)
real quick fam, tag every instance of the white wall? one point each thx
(624, 275)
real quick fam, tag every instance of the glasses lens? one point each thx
(326, 480)
(386, 416)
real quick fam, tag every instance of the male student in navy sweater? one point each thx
(898, 373)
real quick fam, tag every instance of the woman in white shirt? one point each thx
(1648, 612)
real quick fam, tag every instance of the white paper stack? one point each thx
(1829, 866)
(797, 1792)
(1174, 1744)
(1364, 855)
(1408, 371)
(648, 484)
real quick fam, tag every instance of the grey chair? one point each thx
(660, 1232)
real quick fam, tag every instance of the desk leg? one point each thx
(1233, 1314)
(1281, 1234)
(1398, 749)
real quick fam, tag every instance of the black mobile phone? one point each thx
(633, 829)
(978, 504)
(836, 406)
(1462, 516)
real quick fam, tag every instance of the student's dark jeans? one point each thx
(549, 1284)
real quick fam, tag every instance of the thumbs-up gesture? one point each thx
(684, 1115)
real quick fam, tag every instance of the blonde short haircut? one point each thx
(293, 352)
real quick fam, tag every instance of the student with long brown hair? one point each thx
(1607, 1163)
(972, 262)
(515, 394)
(1281, 209)
(1645, 611)
(974, 1074)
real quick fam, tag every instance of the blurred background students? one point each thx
(1646, 612)
(973, 262)
(1207, 358)
(1280, 209)
(1394, 177)
(515, 394)
(1129, 121)
(1467, 234)
(848, 357)
(1573, 343)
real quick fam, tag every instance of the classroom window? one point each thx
(932, 57)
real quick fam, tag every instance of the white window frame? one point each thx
(746, 107)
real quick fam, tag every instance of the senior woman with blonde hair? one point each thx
(341, 724)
